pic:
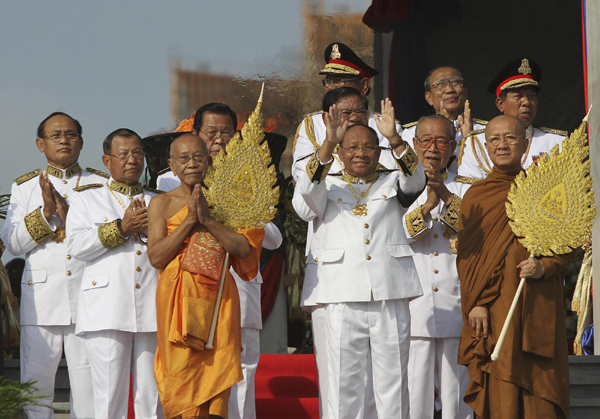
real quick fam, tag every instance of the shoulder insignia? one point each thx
(481, 121)
(466, 179)
(163, 171)
(89, 186)
(158, 191)
(28, 176)
(554, 131)
(410, 124)
(477, 131)
(312, 114)
(98, 172)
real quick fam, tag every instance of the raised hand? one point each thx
(335, 127)
(386, 125)
(465, 122)
(47, 196)
(135, 219)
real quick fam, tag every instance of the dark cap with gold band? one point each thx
(520, 72)
(341, 60)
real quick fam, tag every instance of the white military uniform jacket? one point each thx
(437, 313)
(118, 289)
(478, 125)
(310, 136)
(477, 164)
(362, 258)
(51, 278)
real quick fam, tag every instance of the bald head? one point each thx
(506, 142)
(189, 159)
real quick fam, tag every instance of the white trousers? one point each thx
(242, 399)
(114, 355)
(433, 368)
(355, 329)
(41, 350)
(320, 348)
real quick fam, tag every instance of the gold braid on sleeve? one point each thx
(415, 223)
(38, 228)
(450, 218)
(109, 235)
(408, 162)
(317, 171)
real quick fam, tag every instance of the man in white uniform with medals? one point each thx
(516, 88)
(108, 223)
(431, 223)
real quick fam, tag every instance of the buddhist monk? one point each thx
(188, 248)
(531, 377)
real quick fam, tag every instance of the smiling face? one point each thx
(61, 143)
(508, 134)
(189, 159)
(434, 132)
(521, 103)
(130, 169)
(453, 97)
(359, 151)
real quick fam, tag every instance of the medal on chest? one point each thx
(360, 210)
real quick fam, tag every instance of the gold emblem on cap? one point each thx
(524, 68)
(335, 52)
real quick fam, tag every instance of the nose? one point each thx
(525, 101)
(354, 117)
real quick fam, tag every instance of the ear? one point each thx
(500, 104)
(428, 98)
(365, 83)
(106, 161)
(171, 165)
(415, 143)
(39, 142)
(194, 131)
(453, 147)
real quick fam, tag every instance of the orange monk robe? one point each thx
(187, 377)
(534, 355)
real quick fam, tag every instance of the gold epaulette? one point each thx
(466, 179)
(98, 172)
(312, 114)
(410, 124)
(481, 121)
(89, 186)
(554, 131)
(477, 131)
(28, 176)
(158, 191)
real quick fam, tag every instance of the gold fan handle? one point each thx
(213, 324)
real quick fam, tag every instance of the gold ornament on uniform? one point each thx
(240, 183)
(550, 207)
(524, 67)
(335, 52)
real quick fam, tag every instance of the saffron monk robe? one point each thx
(192, 381)
(531, 377)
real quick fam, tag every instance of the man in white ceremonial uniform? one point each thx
(431, 223)
(209, 120)
(516, 88)
(446, 92)
(107, 224)
(353, 108)
(51, 279)
(365, 269)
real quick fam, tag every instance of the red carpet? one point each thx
(286, 387)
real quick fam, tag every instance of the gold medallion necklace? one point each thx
(360, 210)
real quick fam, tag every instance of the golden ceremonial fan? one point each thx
(240, 183)
(551, 206)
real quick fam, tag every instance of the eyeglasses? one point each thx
(361, 113)
(510, 139)
(184, 160)
(123, 157)
(367, 149)
(441, 84)
(225, 135)
(339, 80)
(70, 136)
(440, 143)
